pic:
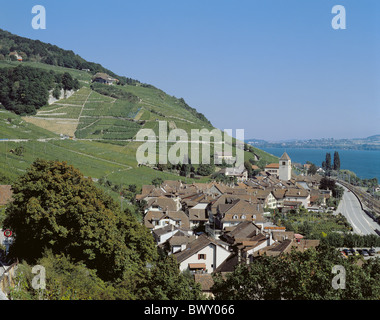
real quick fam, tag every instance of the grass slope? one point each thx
(104, 124)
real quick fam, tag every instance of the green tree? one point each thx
(65, 280)
(250, 282)
(312, 169)
(336, 161)
(327, 184)
(68, 83)
(19, 151)
(248, 167)
(299, 275)
(166, 282)
(205, 169)
(57, 92)
(24, 89)
(157, 181)
(328, 161)
(55, 207)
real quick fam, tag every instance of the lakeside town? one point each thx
(213, 227)
(105, 193)
(216, 227)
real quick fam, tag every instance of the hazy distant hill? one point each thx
(369, 143)
(374, 138)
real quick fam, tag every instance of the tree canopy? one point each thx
(23, 90)
(336, 161)
(300, 276)
(55, 207)
(91, 249)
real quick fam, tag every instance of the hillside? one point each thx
(101, 120)
(37, 51)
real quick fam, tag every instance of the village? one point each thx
(212, 227)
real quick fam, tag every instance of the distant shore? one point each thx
(364, 163)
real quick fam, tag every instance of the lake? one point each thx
(365, 163)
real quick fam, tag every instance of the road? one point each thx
(350, 207)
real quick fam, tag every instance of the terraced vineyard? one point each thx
(102, 122)
(88, 114)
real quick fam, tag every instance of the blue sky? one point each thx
(275, 68)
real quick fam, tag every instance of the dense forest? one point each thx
(37, 51)
(23, 90)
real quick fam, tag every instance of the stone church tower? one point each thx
(285, 168)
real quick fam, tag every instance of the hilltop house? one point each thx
(104, 78)
(16, 55)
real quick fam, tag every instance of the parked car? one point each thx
(347, 252)
(372, 252)
(365, 253)
(353, 252)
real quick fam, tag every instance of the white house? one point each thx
(298, 195)
(179, 241)
(202, 255)
(267, 198)
(240, 173)
(272, 168)
(161, 235)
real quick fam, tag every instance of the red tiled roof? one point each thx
(273, 165)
